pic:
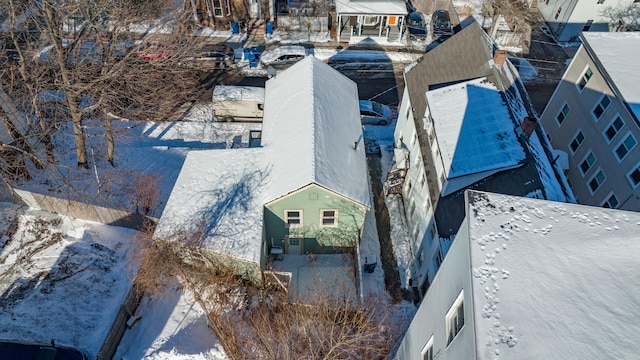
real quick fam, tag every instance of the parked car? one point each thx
(220, 55)
(283, 56)
(417, 26)
(151, 50)
(441, 25)
(25, 350)
(372, 112)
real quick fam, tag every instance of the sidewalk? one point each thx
(307, 39)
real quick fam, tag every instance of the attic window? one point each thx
(584, 79)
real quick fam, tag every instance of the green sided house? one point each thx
(304, 190)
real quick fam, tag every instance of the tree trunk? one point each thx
(110, 141)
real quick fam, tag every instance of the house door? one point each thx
(294, 244)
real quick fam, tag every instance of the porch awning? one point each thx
(365, 7)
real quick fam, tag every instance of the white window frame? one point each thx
(610, 126)
(575, 137)
(564, 115)
(287, 218)
(596, 173)
(622, 143)
(584, 78)
(636, 167)
(324, 217)
(366, 20)
(454, 319)
(427, 350)
(608, 204)
(599, 104)
(224, 7)
(595, 159)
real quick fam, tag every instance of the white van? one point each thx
(231, 103)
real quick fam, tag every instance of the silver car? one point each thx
(372, 112)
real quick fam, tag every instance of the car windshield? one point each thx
(377, 108)
(415, 21)
(442, 22)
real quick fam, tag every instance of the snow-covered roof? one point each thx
(382, 7)
(221, 193)
(613, 51)
(229, 92)
(311, 123)
(553, 278)
(473, 128)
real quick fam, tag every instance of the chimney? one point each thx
(499, 57)
(529, 125)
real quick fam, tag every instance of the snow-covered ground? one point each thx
(61, 279)
(171, 327)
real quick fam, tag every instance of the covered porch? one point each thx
(377, 20)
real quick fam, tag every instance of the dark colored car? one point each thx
(25, 350)
(441, 25)
(417, 26)
(220, 55)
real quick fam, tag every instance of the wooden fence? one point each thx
(119, 325)
(84, 211)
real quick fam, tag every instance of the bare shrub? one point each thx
(262, 323)
(147, 192)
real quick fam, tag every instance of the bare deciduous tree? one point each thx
(86, 50)
(262, 323)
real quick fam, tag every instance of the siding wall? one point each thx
(311, 200)
(454, 275)
(580, 117)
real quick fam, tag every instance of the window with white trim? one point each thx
(576, 142)
(557, 13)
(587, 163)
(329, 218)
(562, 114)
(611, 202)
(455, 318)
(412, 208)
(614, 128)
(221, 8)
(600, 107)
(293, 218)
(625, 147)
(423, 180)
(596, 181)
(634, 176)
(584, 78)
(370, 20)
(427, 350)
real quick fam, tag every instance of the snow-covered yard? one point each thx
(61, 279)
